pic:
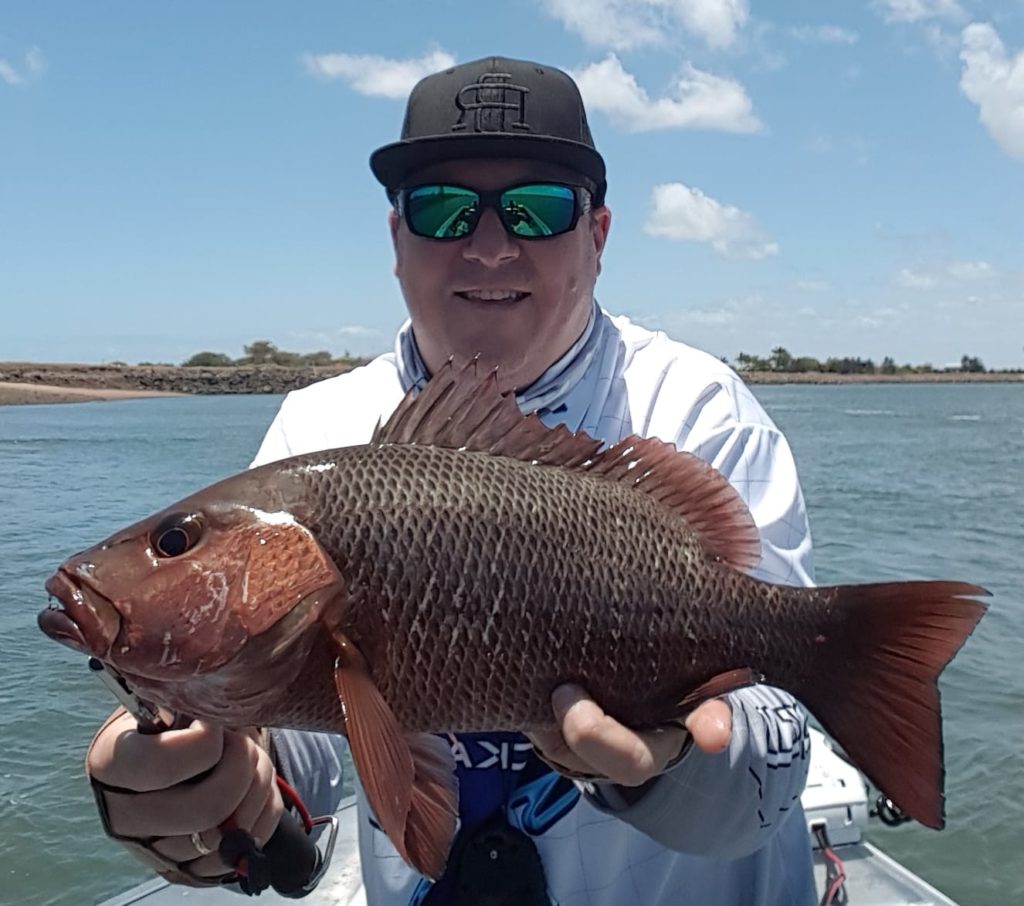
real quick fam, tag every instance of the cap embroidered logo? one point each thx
(496, 98)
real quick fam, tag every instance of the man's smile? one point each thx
(493, 295)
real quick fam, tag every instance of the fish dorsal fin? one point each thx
(460, 408)
(690, 487)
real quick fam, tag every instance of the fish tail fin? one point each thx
(881, 700)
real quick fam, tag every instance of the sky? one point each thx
(838, 178)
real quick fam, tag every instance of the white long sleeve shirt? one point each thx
(724, 830)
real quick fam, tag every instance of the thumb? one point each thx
(710, 724)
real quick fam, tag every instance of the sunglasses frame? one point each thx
(582, 202)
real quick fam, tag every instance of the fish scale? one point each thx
(580, 609)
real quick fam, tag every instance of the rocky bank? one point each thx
(169, 378)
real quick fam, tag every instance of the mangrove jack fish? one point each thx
(448, 575)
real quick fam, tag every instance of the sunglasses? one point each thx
(535, 210)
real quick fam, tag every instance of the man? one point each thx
(499, 224)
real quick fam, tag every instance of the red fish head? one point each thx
(179, 596)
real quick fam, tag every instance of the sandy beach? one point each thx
(17, 394)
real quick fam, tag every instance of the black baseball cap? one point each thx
(493, 107)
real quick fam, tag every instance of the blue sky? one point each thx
(840, 178)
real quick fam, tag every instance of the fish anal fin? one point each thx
(409, 779)
(718, 686)
(434, 809)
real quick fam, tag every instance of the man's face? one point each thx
(518, 304)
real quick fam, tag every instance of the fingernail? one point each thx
(709, 720)
(564, 697)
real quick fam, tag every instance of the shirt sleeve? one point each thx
(729, 805)
(275, 444)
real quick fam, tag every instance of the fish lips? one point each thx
(79, 616)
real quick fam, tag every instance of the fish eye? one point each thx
(177, 534)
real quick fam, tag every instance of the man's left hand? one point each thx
(593, 743)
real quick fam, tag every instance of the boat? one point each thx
(848, 869)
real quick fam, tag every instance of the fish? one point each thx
(448, 575)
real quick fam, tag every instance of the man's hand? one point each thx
(593, 743)
(182, 813)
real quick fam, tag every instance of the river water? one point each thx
(902, 481)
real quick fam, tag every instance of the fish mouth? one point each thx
(79, 616)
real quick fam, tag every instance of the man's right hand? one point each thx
(174, 816)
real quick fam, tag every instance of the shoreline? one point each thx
(932, 377)
(30, 383)
(19, 394)
(66, 382)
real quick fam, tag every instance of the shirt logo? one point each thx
(493, 104)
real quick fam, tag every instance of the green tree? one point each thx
(745, 362)
(260, 352)
(207, 360)
(888, 365)
(805, 363)
(971, 363)
(321, 357)
(848, 365)
(780, 359)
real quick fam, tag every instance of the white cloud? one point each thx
(608, 23)
(716, 21)
(627, 24)
(34, 67)
(9, 74)
(684, 213)
(35, 61)
(919, 10)
(708, 316)
(970, 270)
(909, 279)
(327, 337)
(824, 34)
(813, 286)
(954, 273)
(699, 100)
(377, 76)
(861, 320)
(995, 83)
(357, 339)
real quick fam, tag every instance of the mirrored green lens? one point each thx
(441, 212)
(540, 210)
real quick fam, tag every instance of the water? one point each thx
(901, 481)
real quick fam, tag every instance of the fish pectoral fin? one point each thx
(409, 779)
(717, 686)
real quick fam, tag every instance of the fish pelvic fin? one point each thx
(716, 687)
(461, 408)
(409, 779)
(881, 698)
